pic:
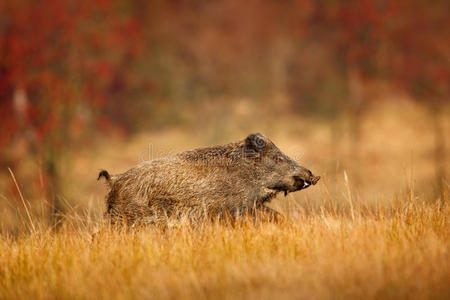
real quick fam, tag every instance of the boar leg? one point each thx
(268, 213)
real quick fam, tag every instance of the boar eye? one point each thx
(280, 159)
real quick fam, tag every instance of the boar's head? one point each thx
(275, 169)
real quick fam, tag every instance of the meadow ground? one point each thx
(388, 253)
(373, 228)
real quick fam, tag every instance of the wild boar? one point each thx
(234, 179)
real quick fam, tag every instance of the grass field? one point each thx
(386, 253)
(370, 229)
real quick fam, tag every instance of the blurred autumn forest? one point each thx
(74, 72)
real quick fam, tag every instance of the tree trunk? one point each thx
(53, 190)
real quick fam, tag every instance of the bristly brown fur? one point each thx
(234, 179)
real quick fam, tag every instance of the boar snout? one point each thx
(295, 183)
(301, 183)
(304, 180)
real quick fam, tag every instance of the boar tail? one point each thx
(104, 173)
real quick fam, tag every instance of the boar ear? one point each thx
(255, 141)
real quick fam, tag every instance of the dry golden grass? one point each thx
(395, 252)
(376, 232)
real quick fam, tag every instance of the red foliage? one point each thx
(50, 51)
(420, 48)
(63, 52)
(361, 27)
(405, 42)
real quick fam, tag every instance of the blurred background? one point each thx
(356, 90)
